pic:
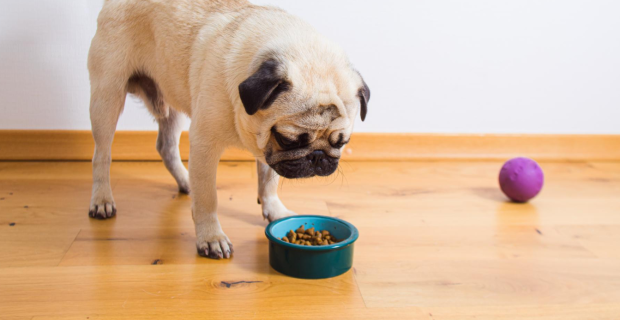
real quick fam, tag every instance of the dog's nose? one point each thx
(316, 156)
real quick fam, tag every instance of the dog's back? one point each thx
(154, 38)
(167, 19)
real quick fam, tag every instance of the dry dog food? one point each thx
(309, 237)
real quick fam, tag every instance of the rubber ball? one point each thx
(521, 179)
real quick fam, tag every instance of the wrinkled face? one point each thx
(307, 144)
(304, 125)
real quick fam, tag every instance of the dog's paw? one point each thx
(274, 210)
(184, 188)
(102, 209)
(102, 204)
(183, 183)
(214, 246)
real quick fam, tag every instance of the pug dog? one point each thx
(248, 76)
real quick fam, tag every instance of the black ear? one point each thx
(261, 89)
(364, 95)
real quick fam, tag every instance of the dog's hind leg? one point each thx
(168, 138)
(170, 125)
(106, 104)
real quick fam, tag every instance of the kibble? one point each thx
(309, 237)
(292, 236)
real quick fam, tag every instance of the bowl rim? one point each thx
(352, 238)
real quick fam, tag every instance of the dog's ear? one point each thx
(364, 95)
(261, 89)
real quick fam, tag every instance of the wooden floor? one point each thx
(437, 241)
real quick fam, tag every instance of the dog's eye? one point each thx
(287, 143)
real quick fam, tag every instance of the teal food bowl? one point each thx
(311, 262)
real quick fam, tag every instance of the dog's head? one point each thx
(302, 113)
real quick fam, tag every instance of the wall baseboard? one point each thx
(140, 145)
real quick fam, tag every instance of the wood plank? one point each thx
(453, 210)
(601, 240)
(481, 283)
(168, 289)
(468, 242)
(140, 145)
(22, 246)
(535, 312)
(147, 246)
(281, 313)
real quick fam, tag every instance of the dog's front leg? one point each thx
(204, 157)
(273, 209)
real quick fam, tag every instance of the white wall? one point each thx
(521, 66)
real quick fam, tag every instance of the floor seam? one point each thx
(69, 247)
(359, 289)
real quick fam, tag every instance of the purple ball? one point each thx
(521, 179)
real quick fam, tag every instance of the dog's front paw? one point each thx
(214, 245)
(102, 207)
(273, 210)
